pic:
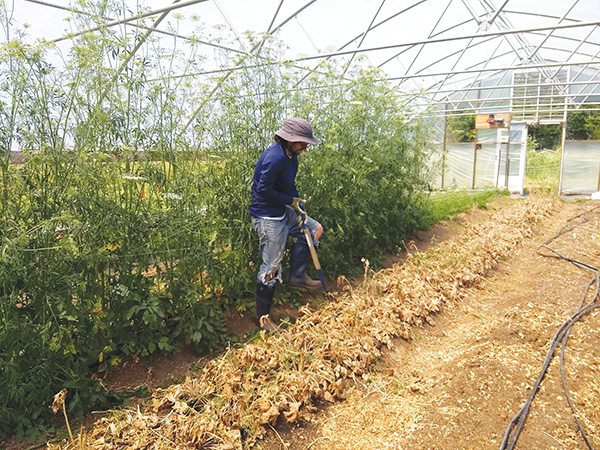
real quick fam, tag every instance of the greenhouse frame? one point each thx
(534, 60)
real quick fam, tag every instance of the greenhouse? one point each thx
(469, 58)
(454, 136)
(535, 62)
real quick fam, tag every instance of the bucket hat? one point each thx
(295, 129)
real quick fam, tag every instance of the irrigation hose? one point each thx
(561, 336)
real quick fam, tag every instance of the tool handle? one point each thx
(304, 217)
(311, 247)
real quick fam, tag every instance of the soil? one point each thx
(457, 384)
(164, 370)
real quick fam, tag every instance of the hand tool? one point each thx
(313, 253)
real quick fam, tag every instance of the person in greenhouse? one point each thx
(276, 210)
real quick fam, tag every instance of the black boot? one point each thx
(264, 299)
(298, 264)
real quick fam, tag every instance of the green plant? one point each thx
(127, 229)
(547, 136)
(543, 170)
(447, 205)
(461, 128)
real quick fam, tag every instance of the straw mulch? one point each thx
(284, 375)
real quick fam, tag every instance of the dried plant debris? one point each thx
(237, 396)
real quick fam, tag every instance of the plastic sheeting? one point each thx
(581, 167)
(485, 169)
(459, 165)
(483, 163)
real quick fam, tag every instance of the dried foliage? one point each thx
(285, 374)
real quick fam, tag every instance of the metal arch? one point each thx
(364, 35)
(361, 35)
(468, 46)
(275, 16)
(497, 69)
(521, 44)
(540, 66)
(587, 81)
(486, 100)
(517, 67)
(464, 50)
(521, 41)
(472, 11)
(382, 22)
(485, 65)
(575, 50)
(549, 74)
(469, 112)
(480, 22)
(422, 46)
(457, 38)
(437, 34)
(548, 16)
(568, 38)
(137, 25)
(563, 37)
(428, 37)
(498, 56)
(501, 86)
(549, 33)
(572, 52)
(568, 52)
(257, 48)
(163, 10)
(488, 23)
(278, 27)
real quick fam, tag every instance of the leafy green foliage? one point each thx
(542, 171)
(461, 128)
(366, 180)
(583, 125)
(546, 136)
(127, 229)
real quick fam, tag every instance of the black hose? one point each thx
(516, 424)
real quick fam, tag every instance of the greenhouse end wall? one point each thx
(580, 172)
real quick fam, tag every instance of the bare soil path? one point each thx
(457, 384)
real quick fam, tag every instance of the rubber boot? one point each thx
(298, 264)
(264, 299)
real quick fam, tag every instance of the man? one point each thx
(276, 206)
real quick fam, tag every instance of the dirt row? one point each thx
(459, 381)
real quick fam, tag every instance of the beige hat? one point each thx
(297, 130)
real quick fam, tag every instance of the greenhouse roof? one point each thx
(450, 50)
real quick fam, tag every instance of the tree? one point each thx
(547, 136)
(461, 128)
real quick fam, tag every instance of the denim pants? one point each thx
(272, 237)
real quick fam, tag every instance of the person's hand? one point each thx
(296, 203)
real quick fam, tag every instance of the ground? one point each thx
(458, 383)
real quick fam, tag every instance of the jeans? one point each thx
(272, 237)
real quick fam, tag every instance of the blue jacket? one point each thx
(274, 184)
